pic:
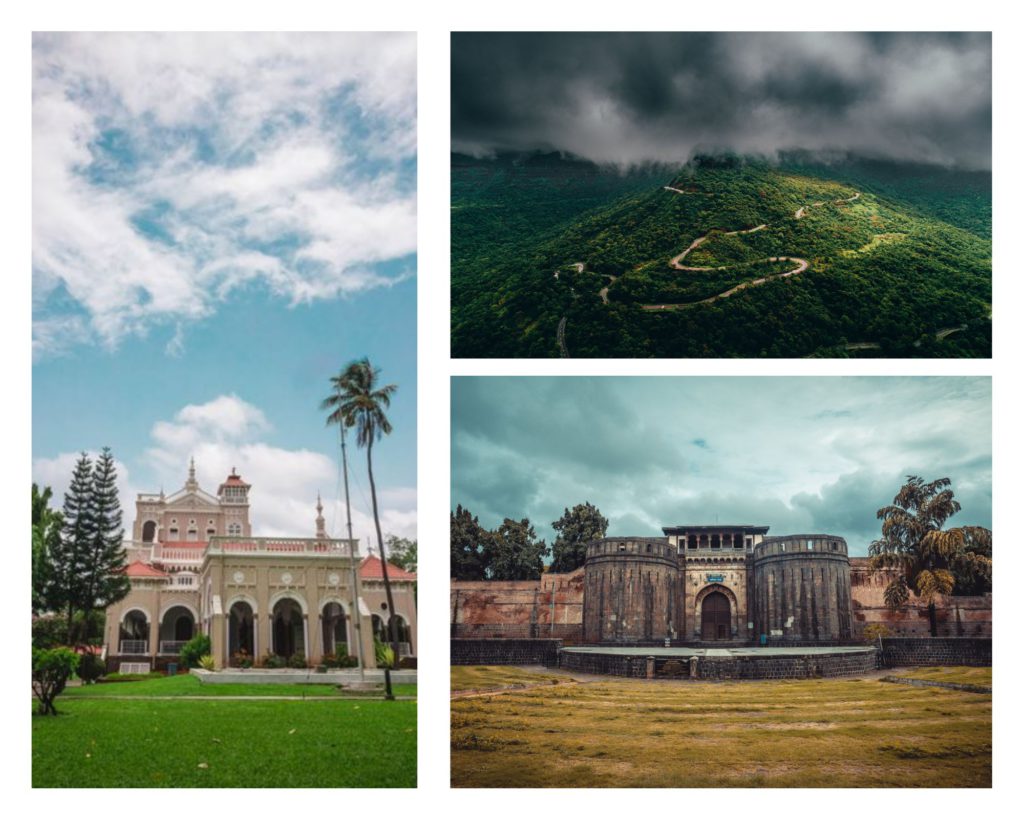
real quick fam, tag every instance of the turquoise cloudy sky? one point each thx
(801, 455)
(220, 222)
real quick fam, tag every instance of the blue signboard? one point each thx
(716, 578)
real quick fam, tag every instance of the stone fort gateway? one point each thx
(790, 605)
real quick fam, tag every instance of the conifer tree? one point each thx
(101, 580)
(66, 552)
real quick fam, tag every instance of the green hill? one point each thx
(794, 259)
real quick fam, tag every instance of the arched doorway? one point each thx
(715, 617)
(404, 634)
(289, 630)
(134, 637)
(335, 630)
(149, 531)
(177, 627)
(380, 634)
(240, 629)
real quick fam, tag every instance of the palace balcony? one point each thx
(282, 546)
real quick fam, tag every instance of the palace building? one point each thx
(195, 567)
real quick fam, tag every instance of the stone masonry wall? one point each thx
(505, 652)
(901, 651)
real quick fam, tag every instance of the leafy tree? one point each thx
(928, 558)
(470, 546)
(46, 526)
(51, 669)
(101, 579)
(402, 552)
(517, 554)
(359, 401)
(576, 528)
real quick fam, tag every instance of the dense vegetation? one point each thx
(902, 270)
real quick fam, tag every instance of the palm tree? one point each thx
(928, 559)
(358, 401)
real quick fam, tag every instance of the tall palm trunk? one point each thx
(392, 624)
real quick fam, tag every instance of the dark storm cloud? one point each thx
(797, 454)
(638, 97)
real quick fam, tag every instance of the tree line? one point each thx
(511, 551)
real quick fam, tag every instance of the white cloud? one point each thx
(170, 169)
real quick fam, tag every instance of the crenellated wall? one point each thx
(553, 606)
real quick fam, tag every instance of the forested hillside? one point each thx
(725, 257)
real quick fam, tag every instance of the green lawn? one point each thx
(188, 685)
(662, 733)
(101, 742)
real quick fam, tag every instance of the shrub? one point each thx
(348, 661)
(385, 655)
(206, 662)
(242, 659)
(51, 668)
(272, 661)
(297, 660)
(90, 668)
(874, 631)
(329, 661)
(193, 650)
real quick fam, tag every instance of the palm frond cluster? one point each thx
(927, 558)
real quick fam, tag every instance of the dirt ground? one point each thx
(541, 728)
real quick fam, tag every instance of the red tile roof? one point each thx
(139, 569)
(370, 569)
(234, 480)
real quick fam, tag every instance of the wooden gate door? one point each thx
(715, 617)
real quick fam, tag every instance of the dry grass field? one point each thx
(605, 732)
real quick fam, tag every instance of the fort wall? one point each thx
(955, 616)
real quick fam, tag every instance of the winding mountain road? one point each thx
(801, 264)
(676, 263)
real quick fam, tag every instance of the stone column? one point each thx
(305, 637)
(218, 634)
(154, 634)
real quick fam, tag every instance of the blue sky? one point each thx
(801, 455)
(220, 223)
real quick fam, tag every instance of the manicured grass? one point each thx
(808, 733)
(188, 685)
(486, 677)
(952, 674)
(103, 743)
